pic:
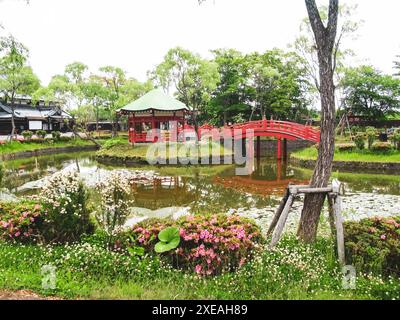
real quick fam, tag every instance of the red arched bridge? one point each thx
(282, 130)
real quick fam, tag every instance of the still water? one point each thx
(179, 190)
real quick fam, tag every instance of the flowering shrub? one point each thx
(114, 192)
(20, 221)
(373, 245)
(209, 245)
(64, 198)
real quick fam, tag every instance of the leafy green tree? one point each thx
(231, 96)
(193, 78)
(371, 94)
(16, 77)
(95, 95)
(113, 79)
(279, 84)
(397, 66)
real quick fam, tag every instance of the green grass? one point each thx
(351, 156)
(15, 146)
(120, 149)
(87, 271)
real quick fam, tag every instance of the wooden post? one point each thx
(258, 147)
(278, 212)
(337, 205)
(282, 221)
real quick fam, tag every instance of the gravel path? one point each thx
(22, 295)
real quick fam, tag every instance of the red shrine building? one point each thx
(155, 110)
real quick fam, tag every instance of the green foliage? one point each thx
(2, 173)
(65, 199)
(291, 271)
(115, 142)
(382, 147)
(371, 94)
(169, 239)
(21, 222)
(359, 140)
(207, 244)
(114, 204)
(371, 134)
(373, 245)
(194, 78)
(27, 134)
(41, 133)
(56, 135)
(395, 138)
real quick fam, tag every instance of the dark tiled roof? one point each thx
(31, 112)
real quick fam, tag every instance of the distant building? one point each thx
(29, 116)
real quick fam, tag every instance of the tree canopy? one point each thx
(370, 93)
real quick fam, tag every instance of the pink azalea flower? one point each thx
(383, 237)
(198, 269)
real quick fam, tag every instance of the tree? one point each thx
(193, 78)
(325, 41)
(264, 79)
(371, 94)
(113, 79)
(95, 95)
(397, 66)
(16, 77)
(231, 95)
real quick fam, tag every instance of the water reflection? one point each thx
(218, 191)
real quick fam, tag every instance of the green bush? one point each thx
(1, 173)
(359, 141)
(64, 197)
(56, 135)
(27, 135)
(346, 147)
(41, 134)
(111, 143)
(20, 222)
(65, 139)
(395, 138)
(371, 134)
(382, 147)
(210, 244)
(373, 245)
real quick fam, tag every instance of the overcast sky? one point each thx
(136, 34)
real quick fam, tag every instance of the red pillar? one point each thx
(279, 152)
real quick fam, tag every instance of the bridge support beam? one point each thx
(258, 148)
(284, 149)
(279, 149)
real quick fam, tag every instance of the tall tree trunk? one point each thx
(97, 121)
(325, 39)
(12, 119)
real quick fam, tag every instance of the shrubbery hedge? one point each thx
(373, 245)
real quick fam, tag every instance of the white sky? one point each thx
(136, 34)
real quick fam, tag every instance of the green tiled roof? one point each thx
(155, 100)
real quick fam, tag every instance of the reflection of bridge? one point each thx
(282, 130)
(277, 182)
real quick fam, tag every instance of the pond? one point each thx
(175, 191)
